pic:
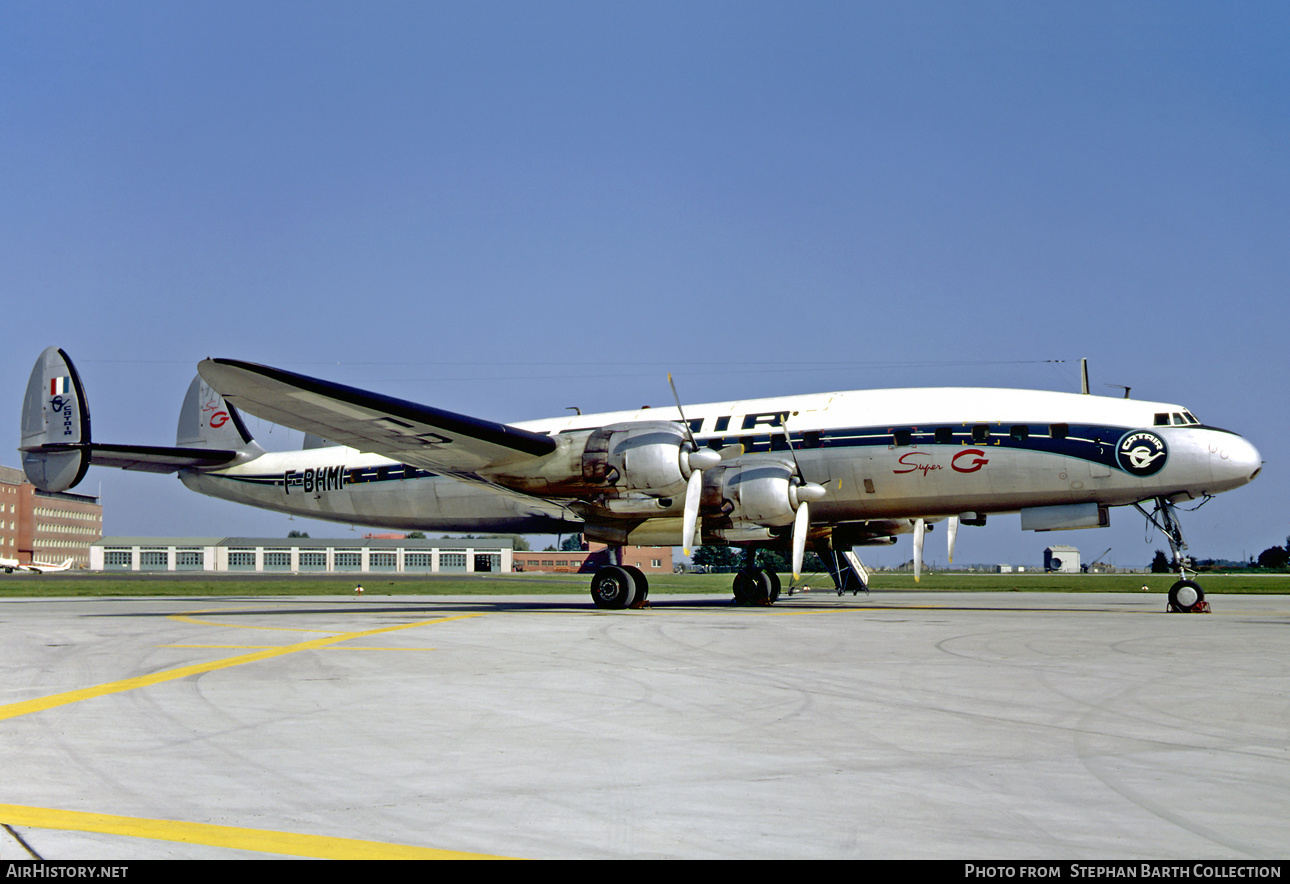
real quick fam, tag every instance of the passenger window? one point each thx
(944, 435)
(1059, 431)
(1020, 432)
(902, 438)
(981, 433)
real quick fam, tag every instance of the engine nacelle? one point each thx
(756, 494)
(644, 456)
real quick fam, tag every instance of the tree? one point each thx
(718, 558)
(1275, 556)
(415, 535)
(520, 543)
(1160, 564)
(301, 534)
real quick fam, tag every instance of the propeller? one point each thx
(920, 531)
(697, 459)
(800, 496)
(920, 528)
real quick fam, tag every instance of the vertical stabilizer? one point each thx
(56, 420)
(207, 421)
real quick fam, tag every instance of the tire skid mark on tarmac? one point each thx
(263, 841)
(1107, 767)
(26, 707)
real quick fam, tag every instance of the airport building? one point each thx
(46, 527)
(303, 555)
(650, 559)
(1062, 559)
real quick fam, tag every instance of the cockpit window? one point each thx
(1185, 419)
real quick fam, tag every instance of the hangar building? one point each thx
(303, 555)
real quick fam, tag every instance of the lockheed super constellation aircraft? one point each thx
(829, 471)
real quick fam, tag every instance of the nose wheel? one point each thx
(1185, 596)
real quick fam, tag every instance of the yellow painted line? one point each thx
(13, 710)
(259, 647)
(258, 840)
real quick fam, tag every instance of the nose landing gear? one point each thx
(1185, 596)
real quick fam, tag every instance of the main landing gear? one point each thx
(756, 586)
(1185, 596)
(620, 586)
(615, 587)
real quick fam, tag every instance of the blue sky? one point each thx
(506, 208)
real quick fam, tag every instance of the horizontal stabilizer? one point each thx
(56, 447)
(143, 458)
(405, 431)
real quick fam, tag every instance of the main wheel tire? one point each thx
(1185, 595)
(746, 587)
(774, 586)
(613, 588)
(753, 586)
(642, 584)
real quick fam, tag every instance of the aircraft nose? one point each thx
(1236, 460)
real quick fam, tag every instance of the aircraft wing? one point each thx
(418, 435)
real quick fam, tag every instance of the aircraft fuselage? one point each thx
(880, 454)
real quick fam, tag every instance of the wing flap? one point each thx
(406, 431)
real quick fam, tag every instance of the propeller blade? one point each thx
(952, 529)
(689, 434)
(801, 525)
(920, 527)
(698, 459)
(693, 491)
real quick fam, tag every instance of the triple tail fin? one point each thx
(206, 421)
(55, 424)
(57, 447)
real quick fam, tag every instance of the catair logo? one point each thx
(63, 406)
(1141, 453)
